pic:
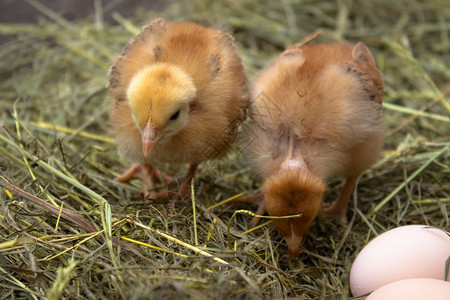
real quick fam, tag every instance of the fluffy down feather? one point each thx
(315, 113)
(179, 91)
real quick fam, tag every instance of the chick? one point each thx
(179, 91)
(315, 113)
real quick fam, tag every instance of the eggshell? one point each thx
(413, 289)
(414, 251)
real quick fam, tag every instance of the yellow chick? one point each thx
(315, 113)
(179, 92)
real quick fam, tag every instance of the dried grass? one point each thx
(67, 230)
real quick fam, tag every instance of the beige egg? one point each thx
(414, 251)
(413, 289)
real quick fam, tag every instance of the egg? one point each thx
(413, 289)
(414, 251)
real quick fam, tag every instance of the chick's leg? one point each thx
(186, 185)
(145, 172)
(257, 200)
(339, 207)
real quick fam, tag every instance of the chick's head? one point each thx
(159, 97)
(289, 192)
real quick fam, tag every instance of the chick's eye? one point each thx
(175, 115)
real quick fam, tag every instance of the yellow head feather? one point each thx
(157, 92)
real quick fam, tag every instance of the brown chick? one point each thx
(179, 91)
(315, 113)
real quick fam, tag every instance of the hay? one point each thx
(68, 230)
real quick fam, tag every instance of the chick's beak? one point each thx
(293, 242)
(150, 136)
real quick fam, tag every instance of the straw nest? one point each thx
(67, 230)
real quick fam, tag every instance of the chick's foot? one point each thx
(330, 209)
(181, 192)
(256, 200)
(146, 173)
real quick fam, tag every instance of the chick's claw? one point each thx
(146, 173)
(330, 209)
(163, 195)
(181, 192)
